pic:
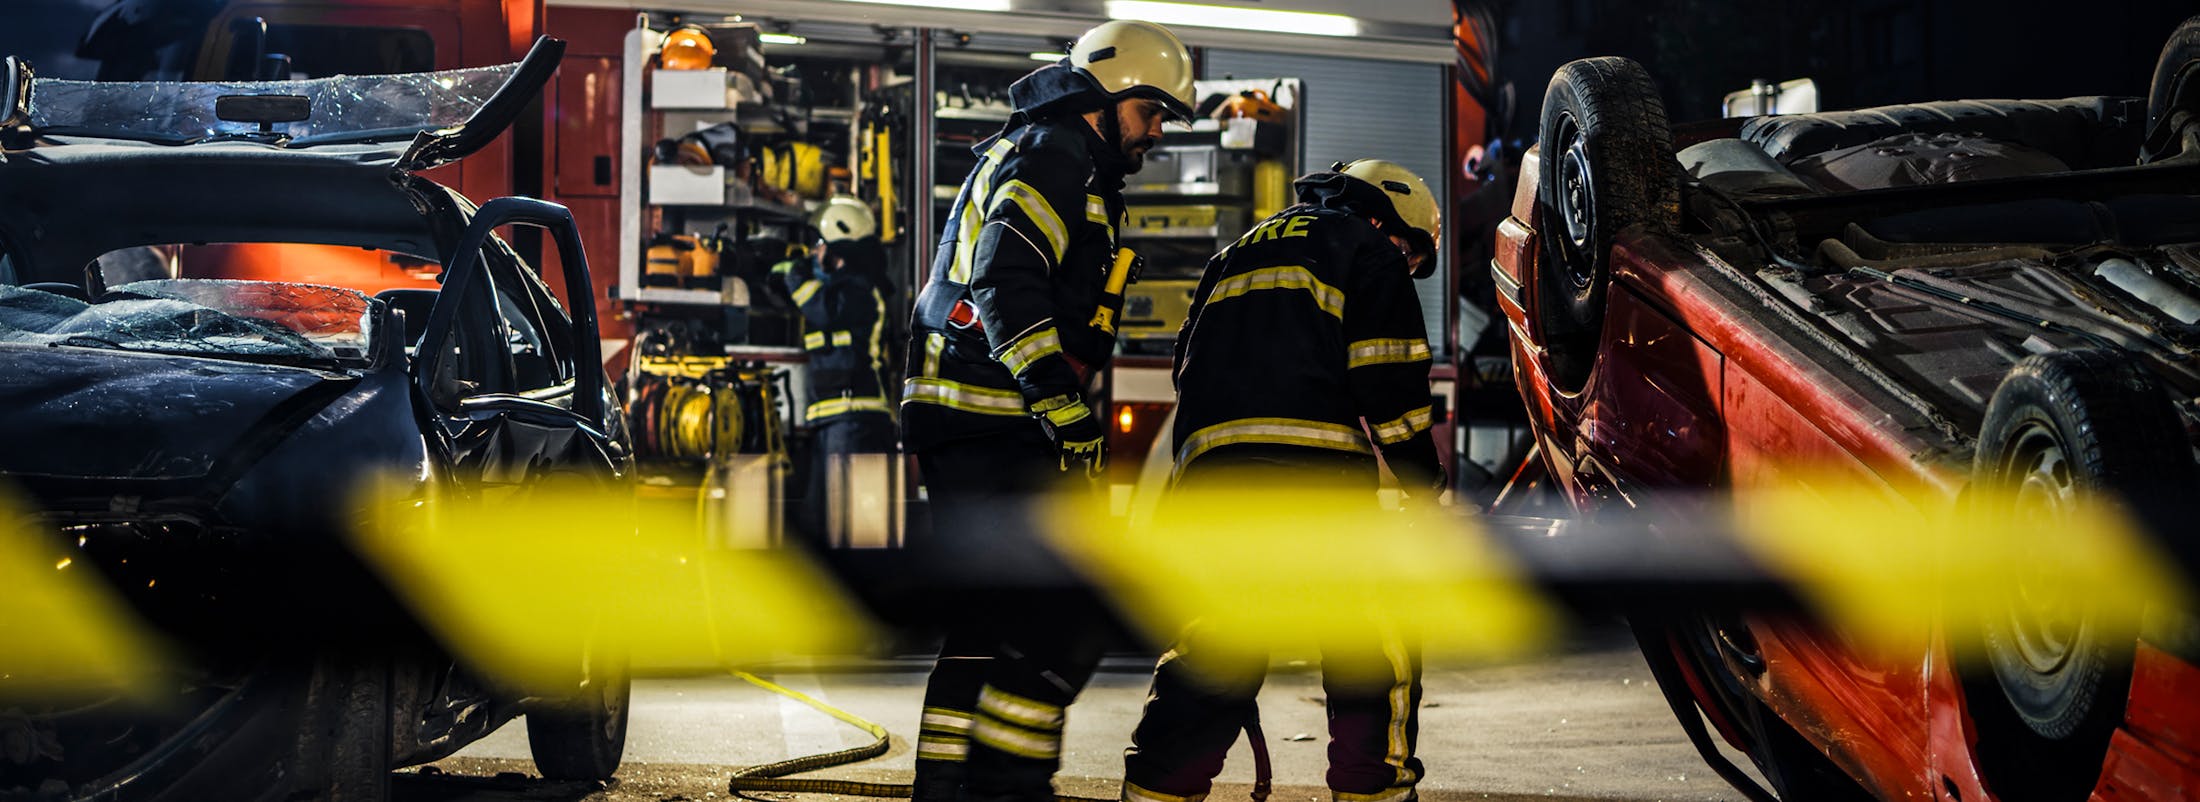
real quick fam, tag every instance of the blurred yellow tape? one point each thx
(1887, 569)
(63, 630)
(523, 586)
(1267, 569)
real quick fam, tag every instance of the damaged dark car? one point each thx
(226, 308)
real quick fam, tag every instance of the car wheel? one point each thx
(2061, 428)
(1607, 164)
(582, 737)
(349, 698)
(2172, 89)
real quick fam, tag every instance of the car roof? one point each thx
(91, 168)
(72, 200)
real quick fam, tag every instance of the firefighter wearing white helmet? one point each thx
(1303, 357)
(844, 326)
(1013, 326)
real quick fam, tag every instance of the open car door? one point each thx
(499, 431)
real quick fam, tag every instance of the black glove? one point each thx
(1076, 432)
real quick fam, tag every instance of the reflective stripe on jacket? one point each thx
(1028, 245)
(844, 325)
(1307, 333)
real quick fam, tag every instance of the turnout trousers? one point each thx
(1022, 640)
(1201, 699)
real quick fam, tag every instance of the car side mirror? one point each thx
(465, 267)
(391, 339)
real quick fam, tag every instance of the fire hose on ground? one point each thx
(773, 777)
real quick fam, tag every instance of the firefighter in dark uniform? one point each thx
(1016, 320)
(843, 333)
(1303, 356)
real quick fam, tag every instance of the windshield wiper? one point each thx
(87, 341)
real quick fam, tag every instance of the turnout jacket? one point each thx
(843, 325)
(1007, 325)
(1299, 331)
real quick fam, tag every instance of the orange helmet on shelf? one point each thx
(688, 48)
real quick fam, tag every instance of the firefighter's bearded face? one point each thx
(1140, 120)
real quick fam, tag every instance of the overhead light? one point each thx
(1247, 19)
(960, 5)
(1049, 57)
(782, 38)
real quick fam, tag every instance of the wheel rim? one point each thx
(1576, 203)
(2043, 622)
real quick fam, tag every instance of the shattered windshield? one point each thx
(340, 108)
(252, 320)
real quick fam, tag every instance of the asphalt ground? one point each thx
(1585, 722)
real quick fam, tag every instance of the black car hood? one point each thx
(91, 414)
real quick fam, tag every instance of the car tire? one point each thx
(582, 737)
(1607, 156)
(350, 701)
(2174, 87)
(2063, 426)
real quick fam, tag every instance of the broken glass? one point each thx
(258, 320)
(343, 107)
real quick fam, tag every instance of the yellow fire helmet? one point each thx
(846, 218)
(1133, 58)
(688, 48)
(1410, 199)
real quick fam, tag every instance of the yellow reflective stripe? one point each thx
(803, 293)
(981, 186)
(878, 329)
(813, 340)
(1005, 737)
(1280, 431)
(1398, 749)
(1018, 710)
(1382, 352)
(1287, 277)
(952, 750)
(1133, 793)
(1020, 353)
(1405, 427)
(944, 720)
(965, 397)
(1064, 416)
(1096, 210)
(1062, 410)
(841, 406)
(934, 343)
(1041, 213)
(842, 339)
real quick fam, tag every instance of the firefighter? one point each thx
(1008, 334)
(1303, 356)
(844, 324)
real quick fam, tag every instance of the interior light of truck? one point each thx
(960, 5)
(1251, 19)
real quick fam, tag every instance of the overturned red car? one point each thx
(1940, 295)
